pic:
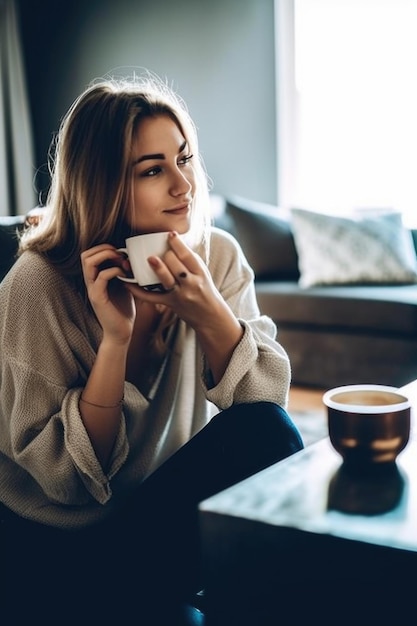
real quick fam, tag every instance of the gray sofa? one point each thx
(334, 335)
(9, 226)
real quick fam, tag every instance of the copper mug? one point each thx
(368, 424)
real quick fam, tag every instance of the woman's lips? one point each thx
(180, 210)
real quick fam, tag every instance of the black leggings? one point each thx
(150, 548)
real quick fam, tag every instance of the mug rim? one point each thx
(366, 408)
(158, 232)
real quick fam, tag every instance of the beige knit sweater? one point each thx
(49, 338)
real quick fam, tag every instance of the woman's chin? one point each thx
(182, 231)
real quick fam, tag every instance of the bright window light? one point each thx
(355, 92)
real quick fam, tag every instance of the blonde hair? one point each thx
(90, 165)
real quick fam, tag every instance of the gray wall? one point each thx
(218, 54)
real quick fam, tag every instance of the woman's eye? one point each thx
(153, 171)
(186, 159)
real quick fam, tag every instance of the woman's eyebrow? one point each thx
(157, 155)
(149, 157)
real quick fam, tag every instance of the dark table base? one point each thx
(259, 578)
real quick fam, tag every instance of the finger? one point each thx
(95, 260)
(98, 248)
(165, 276)
(153, 297)
(190, 271)
(184, 253)
(106, 275)
(102, 250)
(169, 289)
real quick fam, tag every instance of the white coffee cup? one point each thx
(138, 249)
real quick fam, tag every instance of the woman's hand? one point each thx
(190, 290)
(112, 303)
(193, 296)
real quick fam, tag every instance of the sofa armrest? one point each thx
(9, 238)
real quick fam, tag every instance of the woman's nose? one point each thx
(180, 184)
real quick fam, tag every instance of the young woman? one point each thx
(120, 408)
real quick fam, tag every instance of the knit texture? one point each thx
(49, 338)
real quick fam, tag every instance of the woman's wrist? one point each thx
(114, 347)
(102, 406)
(115, 339)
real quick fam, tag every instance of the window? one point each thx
(347, 104)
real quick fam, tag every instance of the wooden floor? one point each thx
(304, 398)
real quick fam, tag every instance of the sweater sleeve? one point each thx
(47, 340)
(259, 369)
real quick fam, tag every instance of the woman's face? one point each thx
(163, 177)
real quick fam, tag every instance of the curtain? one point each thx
(17, 169)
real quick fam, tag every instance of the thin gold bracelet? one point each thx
(102, 406)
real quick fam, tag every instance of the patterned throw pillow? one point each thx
(366, 249)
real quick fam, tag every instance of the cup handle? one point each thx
(125, 278)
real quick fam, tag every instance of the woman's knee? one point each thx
(263, 425)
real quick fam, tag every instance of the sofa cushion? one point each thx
(357, 309)
(264, 232)
(365, 248)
